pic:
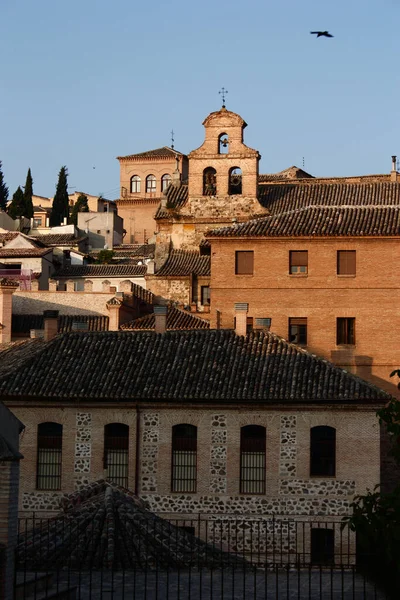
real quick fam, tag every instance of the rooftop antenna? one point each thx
(172, 139)
(223, 93)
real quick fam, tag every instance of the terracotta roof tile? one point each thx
(24, 323)
(201, 366)
(23, 252)
(143, 251)
(15, 354)
(60, 239)
(184, 262)
(177, 196)
(177, 319)
(320, 221)
(164, 152)
(101, 271)
(290, 173)
(8, 236)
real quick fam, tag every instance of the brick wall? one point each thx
(321, 296)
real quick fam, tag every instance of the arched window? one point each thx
(323, 451)
(252, 459)
(235, 181)
(135, 184)
(223, 144)
(165, 181)
(184, 458)
(209, 182)
(150, 184)
(116, 453)
(49, 456)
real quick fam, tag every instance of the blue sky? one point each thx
(85, 81)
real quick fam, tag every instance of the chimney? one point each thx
(150, 267)
(7, 288)
(50, 318)
(241, 309)
(160, 315)
(393, 173)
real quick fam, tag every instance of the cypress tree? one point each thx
(3, 191)
(17, 204)
(81, 205)
(60, 208)
(28, 192)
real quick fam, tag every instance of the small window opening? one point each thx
(252, 459)
(116, 451)
(184, 458)
(209, 182)
(322, 546)
(322, 451)
(235, 181)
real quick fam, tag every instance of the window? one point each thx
(346, 262)
(165, 181)
(49, 456)
(322, 451)
(345, 331)
(322, 546)
(244, 262)
(298, 330)
(116, 453)
(37, 222)
(298, 262)
(263, 323)
(209, 182)
(150, 184)
(135, 184)
(205, 294)
(184, 458)
(252, 459)
(235, 181)
(223, 144)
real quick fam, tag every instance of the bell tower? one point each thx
(223, 165)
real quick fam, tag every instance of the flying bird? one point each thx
(321, 33)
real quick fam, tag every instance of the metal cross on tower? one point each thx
(223, 93)
(172, 139)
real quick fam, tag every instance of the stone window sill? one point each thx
(297, 275)
(347, 276)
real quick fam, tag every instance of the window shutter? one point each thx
(346, 262)
(298, 321)
(244, 262)
(299, 258)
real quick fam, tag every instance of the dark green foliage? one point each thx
(16, 207)
(105, 257)
(81, 205)
(28, 192)
(60, 208)
(3, 191)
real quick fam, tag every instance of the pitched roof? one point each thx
(8, 236)
(192, 366)
(177, 196)
(290, 173)
(285, 197)
(142, 294)
(23, 252)
(129, 536)
(24, 323)
(320, 221)
(101, 271)
(185, 262)
(139, 251)
(164, 152)
(177, 319)
(60, 239)
(14, 354)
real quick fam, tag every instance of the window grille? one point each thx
(244, 262)
(298, 262)
(323, 451)
(346, 262)
(345, 331)
(49, 456)
(252, 459)
(298, 330)
(184, 458)
(150, 184)
(116, 453)
(135, 184)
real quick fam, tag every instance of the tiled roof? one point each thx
(127, 537)
(23, 252)
(320, 221)
(193, 366)
(290, 173)
(177, 319)
(42, 209)
(8, 236)
(139, 251)
(15, 354)
(282, 198)
(24, 323)
(164, 152)
(8, 282)
(185, 262)
(176, 196)
(60, 239)
(139, 292)
(101, 271)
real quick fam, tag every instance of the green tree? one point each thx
(17, 204)
(28, 193)
(81, 205)
(60, 208)
(3, 191)
(105, 257)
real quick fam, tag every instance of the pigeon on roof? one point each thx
(321, 34)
